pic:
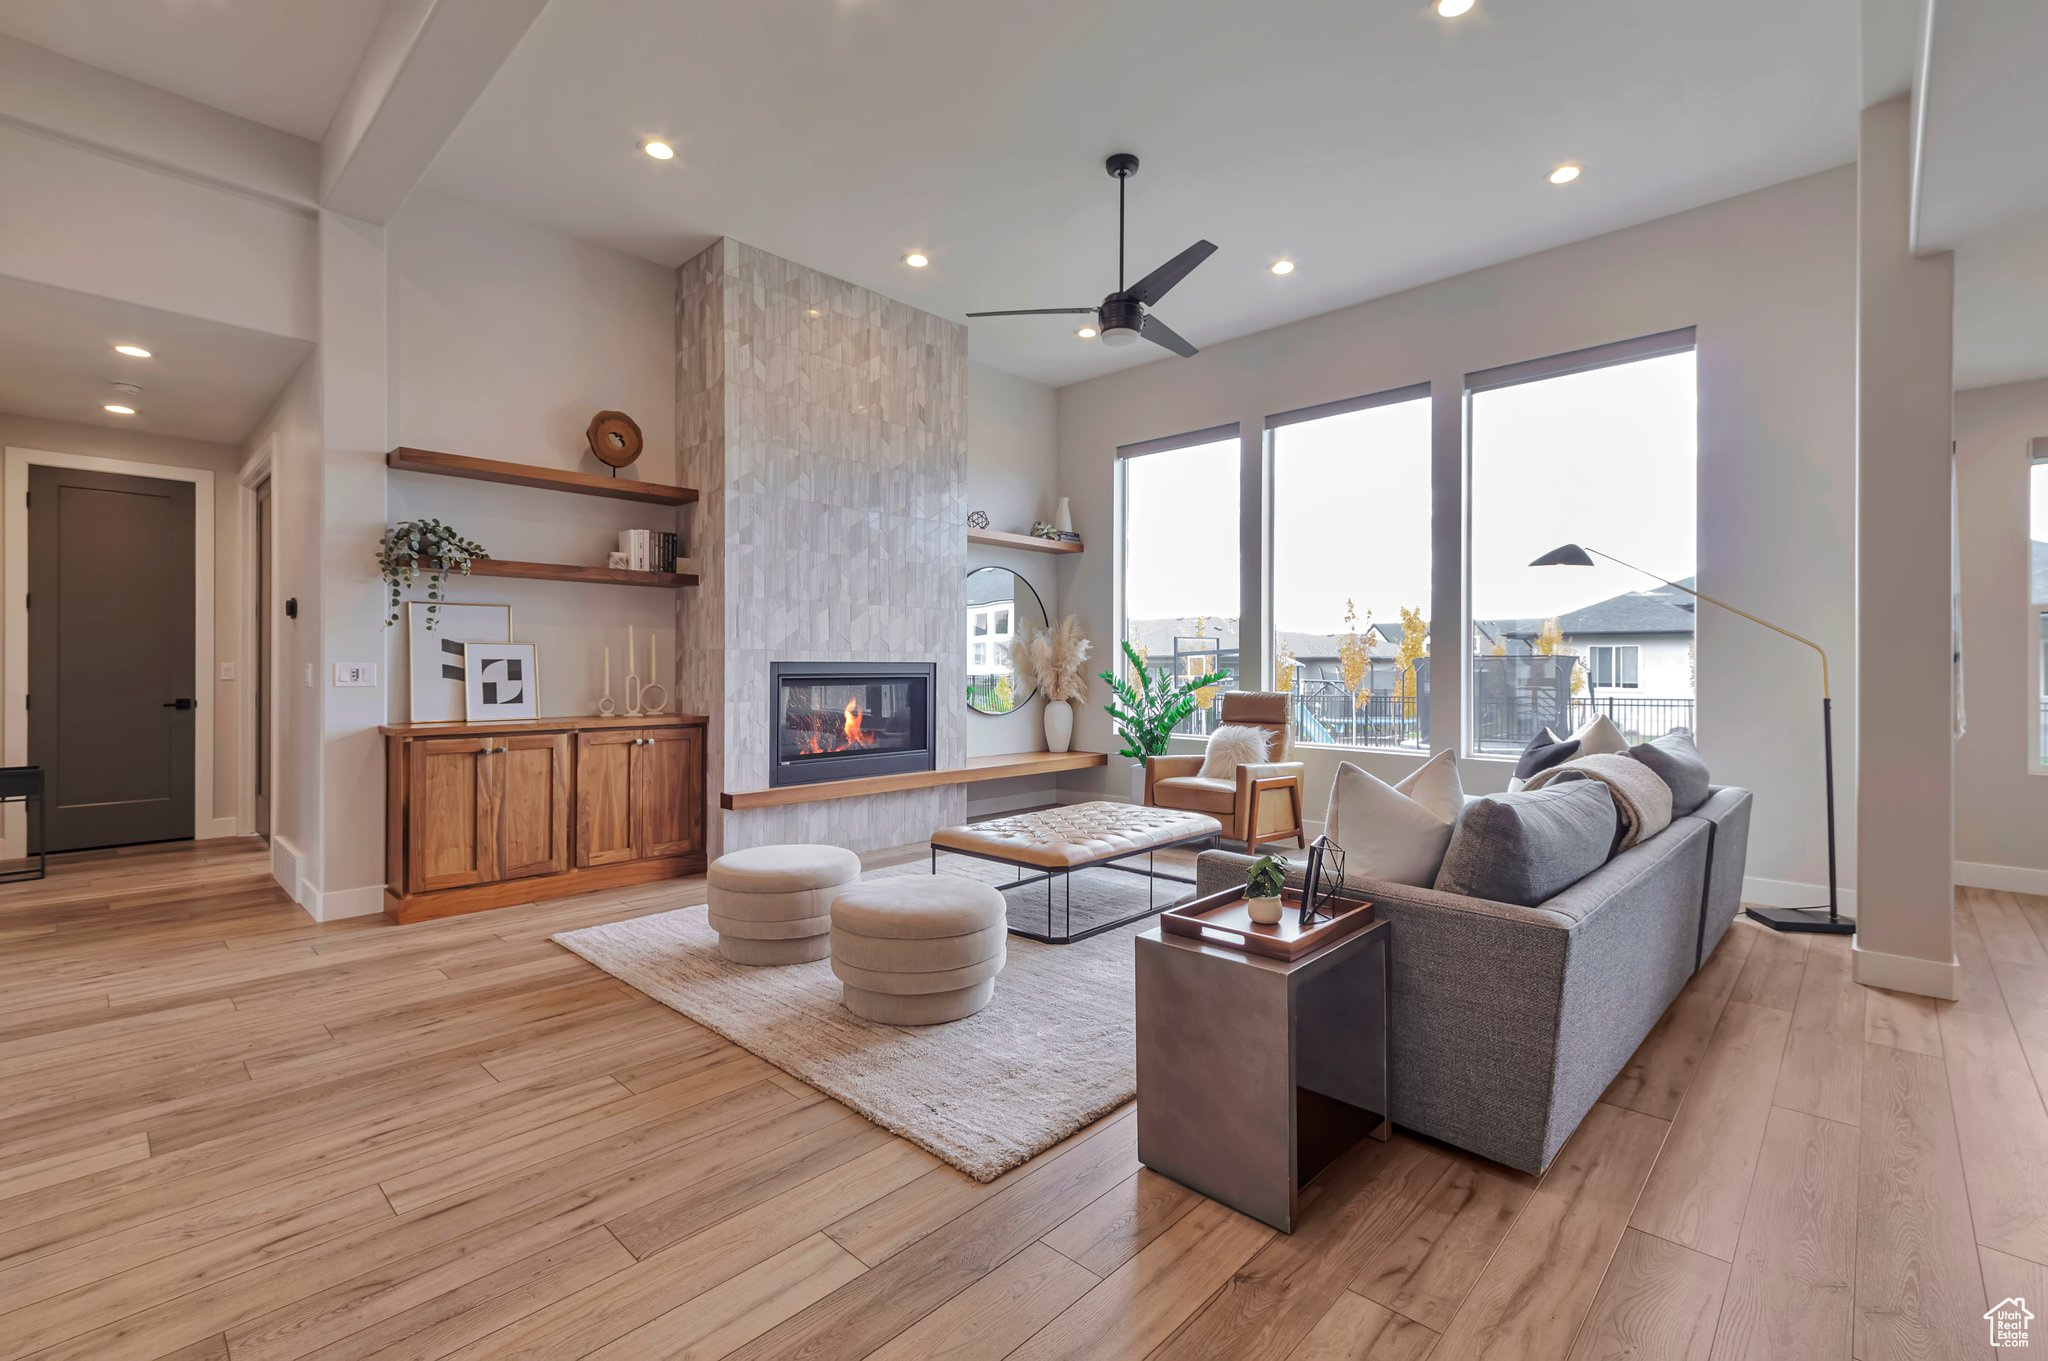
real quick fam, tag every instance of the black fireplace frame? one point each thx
(851, 765)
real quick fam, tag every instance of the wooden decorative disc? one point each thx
(614, 437)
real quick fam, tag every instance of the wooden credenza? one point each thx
(483, 815)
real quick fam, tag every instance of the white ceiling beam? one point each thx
(426, 64)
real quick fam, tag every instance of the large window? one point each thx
(2037, 583)
(1600, 449)
(1180, 585)
(1351, 569)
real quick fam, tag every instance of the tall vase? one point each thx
(1138, 782)
(1059, 724)
(1063, 518)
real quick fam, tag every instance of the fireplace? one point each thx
(844, 720)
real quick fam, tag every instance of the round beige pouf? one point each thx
(918, 951)
(773, 904)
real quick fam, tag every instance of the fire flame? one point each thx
(851, 734)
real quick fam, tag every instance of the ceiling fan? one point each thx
(1121, 318)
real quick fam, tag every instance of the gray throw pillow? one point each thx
(1529, 847)
(1677, 762)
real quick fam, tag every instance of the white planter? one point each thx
(1138, 783)
(1059, 725)
(1264, 911)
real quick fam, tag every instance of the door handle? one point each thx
(181, 704)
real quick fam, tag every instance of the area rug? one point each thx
(1054, 1051)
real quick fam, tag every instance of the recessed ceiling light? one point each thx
(1451, 9)
(658, 149)
(1282, 266)
(1087, 333)
(917, 259)
(1565, 173)
(115, 408)
(132, 351)
(816, 313)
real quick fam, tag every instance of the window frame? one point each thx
(1614, 653)
(1270, 479)
(2037, 606)
(1658, 345)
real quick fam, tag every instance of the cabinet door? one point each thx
(604, 797)
(668, 792)
(452, 839)
(533, 810)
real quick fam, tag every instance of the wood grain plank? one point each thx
(1822, 1069)
(1918, 1288)
(1541, 1284)
(1430, 1266)
(2007, 934)
(714, 1323)
(1696, 1195)
(1790, 1290)
(1358, 1329)
(1772, 973)
(2008, 1277)
(1902, 1020)
(1659, 1302)
(2002, 1129)
(994, 1316)
(1657, 1075)
(1119, 1223)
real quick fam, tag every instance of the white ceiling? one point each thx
(1379, 145)
(283, 63)
(206, 381)
(1982, 109)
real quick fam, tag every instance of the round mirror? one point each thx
(1002, 610)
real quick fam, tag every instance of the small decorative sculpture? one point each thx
(614, 438)
(977, 519)
(1045, 529)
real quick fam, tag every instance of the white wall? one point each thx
(1769, 281)
(1012, 474)
(505, 340)
(221, 460)
(2001, 795)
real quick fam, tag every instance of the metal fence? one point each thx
(1325, 713)
(1639, 719)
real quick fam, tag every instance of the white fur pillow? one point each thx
(1231, 746)
(1396, 832)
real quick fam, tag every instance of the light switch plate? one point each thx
(227, 671)
(355, 673)
(309, 675)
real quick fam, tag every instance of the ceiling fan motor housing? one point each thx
(1123, 319)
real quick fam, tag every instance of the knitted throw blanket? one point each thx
(1640, 794)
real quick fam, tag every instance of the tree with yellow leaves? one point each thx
(1550, 643)
(1354, 654)
(1286, 670)
(1414, 642)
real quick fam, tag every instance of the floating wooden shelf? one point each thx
(997, 538)
(528, 475)
(977, 769)
(562, 571)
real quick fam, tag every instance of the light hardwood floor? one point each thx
(229, 1132)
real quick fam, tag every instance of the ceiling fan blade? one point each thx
(1154, 286)
(1037, 312)
(1159, 333)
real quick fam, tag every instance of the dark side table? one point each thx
(24, 785)
(1254, 1074)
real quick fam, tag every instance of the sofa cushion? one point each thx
(1396, 832)
(1233, 745)
(1197, 793)
(1545, 749)
(1678, 763)
(1527, 847)
(1598, 736)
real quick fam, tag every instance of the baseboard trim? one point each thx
(219, 828)
(349, 902)
(1903, 973)
(2004, 878)
(1790, 893)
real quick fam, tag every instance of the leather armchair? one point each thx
(1264, 802)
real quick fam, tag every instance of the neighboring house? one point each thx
(1636, 646)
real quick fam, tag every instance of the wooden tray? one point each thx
(1221, 919)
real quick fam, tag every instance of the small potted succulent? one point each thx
(1263, 887)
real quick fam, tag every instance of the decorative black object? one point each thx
(1323, 882)
(977, 519)
(1833, 923)
(1121, 317)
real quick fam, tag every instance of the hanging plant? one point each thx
(414, 546)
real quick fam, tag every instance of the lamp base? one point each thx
(1813, 919)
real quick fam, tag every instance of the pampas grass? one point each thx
(1054, 658)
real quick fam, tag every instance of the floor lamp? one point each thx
(1828, 920)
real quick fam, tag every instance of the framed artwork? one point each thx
(436, 670)
(500, 681)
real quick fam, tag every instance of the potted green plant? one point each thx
(1147, 712)
(412, 546)
(1264, 885)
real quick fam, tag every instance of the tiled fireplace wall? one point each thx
(826, 428)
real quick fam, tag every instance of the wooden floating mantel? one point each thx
(529, 475)
(1030, 543)
(562, 571)
(977, 769)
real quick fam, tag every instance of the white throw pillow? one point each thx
(1396, 832)
(1231, 746)
(1599, 737)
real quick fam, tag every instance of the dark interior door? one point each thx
(111, 708)
(263, 660)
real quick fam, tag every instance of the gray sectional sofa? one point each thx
(1509, 1022)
